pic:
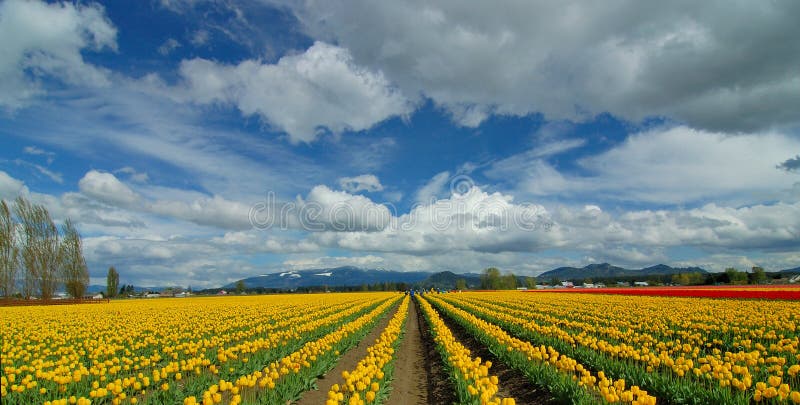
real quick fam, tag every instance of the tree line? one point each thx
(33, 251)
(492, 279)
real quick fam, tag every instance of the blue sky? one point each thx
(406, 135)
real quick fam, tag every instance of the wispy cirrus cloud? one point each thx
(33, 150)
(41, 170)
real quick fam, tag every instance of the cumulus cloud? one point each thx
(714, 65)
(107, 188)
(364, 182)
(85, 211)
(11, 188)
(214, 211)
(675, 165)
(325, 209)
(463, 232)
(303, 95)
(474, 220)
(160, 262)
(45, 41)
(638, 235)
(768, 227)
(483, 222)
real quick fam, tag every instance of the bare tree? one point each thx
(73, 266)
(9, 252)
(27, 254)
(40, 250)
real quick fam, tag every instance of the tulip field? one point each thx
(276, 349)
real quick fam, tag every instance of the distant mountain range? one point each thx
(605, 270)
(354, 276)
(333, 277)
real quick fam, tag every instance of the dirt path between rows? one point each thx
(410, 384)
(513, 383)
(420, 376)
(347, 362)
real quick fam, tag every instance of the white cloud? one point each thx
(676, 165)
(107, 188)
(133, 174)
(326, 209)
(86, 212)
(45, 41)
(475, 220)
(200, 37)
(767, 227)
(254, 242)
(168, 46)
(300, 94)
(136, 118)
(434, 188)
(52, 175)
(627, 256)
(153, 240)
(368, 261)
(215, 211)
(480, 222)
(721, 261)
(713, 65)
(364, 182)
(532, 161)
(162, 262)
(32, 150)
(11, 188)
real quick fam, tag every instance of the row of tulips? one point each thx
(156, 388)
(612, 360)
(473, 383)
(755, 371)
(285, 379)
(567, 379)
(140, 347)
(368, 381)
